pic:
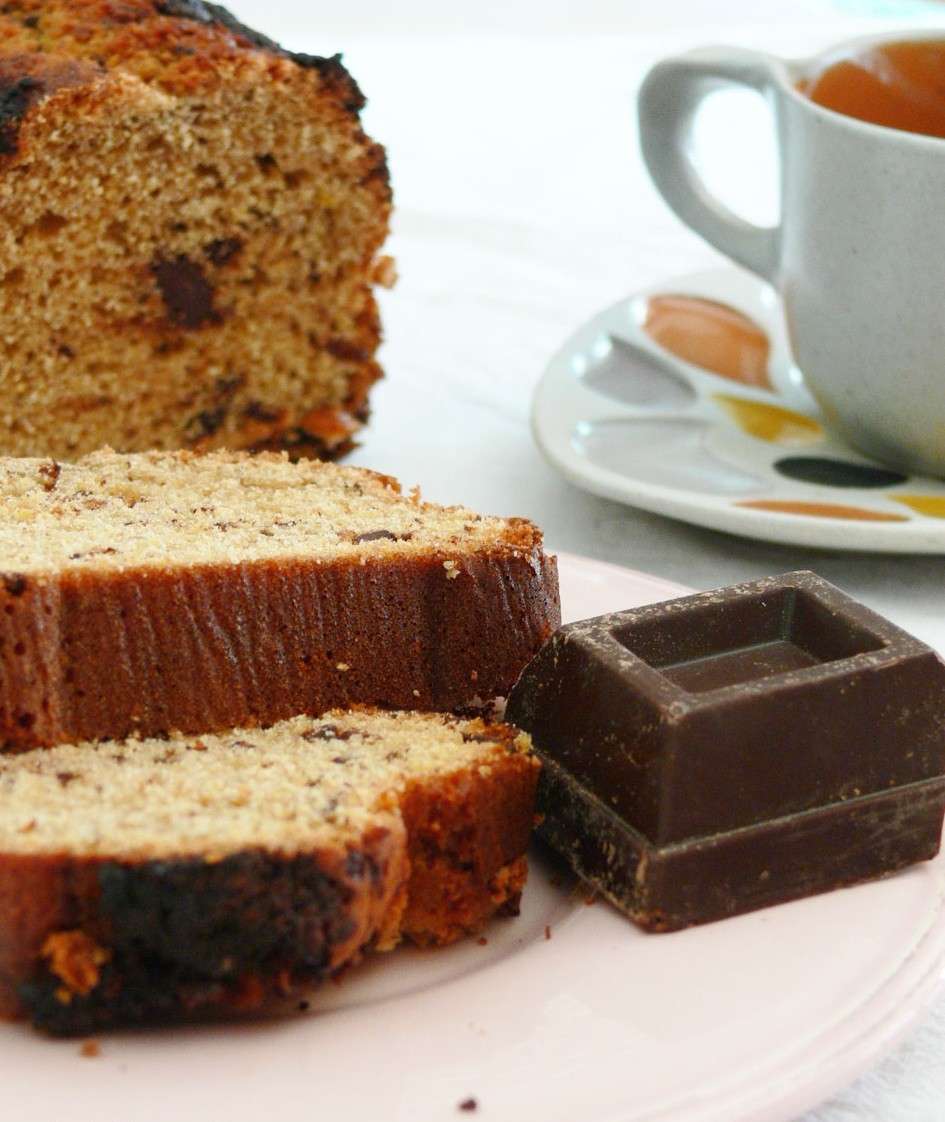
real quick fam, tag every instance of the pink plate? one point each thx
(753, 1019)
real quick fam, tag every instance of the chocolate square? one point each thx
(735, 748)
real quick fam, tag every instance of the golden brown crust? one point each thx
(98, 656)
(467, 837)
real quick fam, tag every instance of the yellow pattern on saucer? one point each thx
(771, 422)
(932, 506)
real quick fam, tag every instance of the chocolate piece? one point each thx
(734, 749)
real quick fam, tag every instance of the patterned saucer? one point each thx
(684, 400)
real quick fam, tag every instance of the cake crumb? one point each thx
(342, 666)
(482, 941)
(385, 271)
(452, 571)
(469, 1105)
(76, 960)
(547, 931)
(90, 1049)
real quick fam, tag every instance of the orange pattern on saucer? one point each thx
(771, 422)
(715, 336)
(822, 510)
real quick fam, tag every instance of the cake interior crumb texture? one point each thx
(297, 786)
(192, 218)
(113, 512)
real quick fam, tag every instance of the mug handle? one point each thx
(668, 100)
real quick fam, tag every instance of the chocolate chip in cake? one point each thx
(14, 583)
(256, 411)
(204, 423)
(345, 350)
(186, 292)
(328, 732)
(49, 473)
(222, 250)
(93, 552)
(226, 388)
(375, 536)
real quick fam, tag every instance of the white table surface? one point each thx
(522, 208)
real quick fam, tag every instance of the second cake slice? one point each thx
(162, 879)
(168, 591)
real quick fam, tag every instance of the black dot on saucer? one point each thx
(837, 473)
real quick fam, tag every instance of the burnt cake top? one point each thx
(179, 45)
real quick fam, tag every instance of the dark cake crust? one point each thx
(123, 943)
(27, 79)
(90, 657)
(181, 936)
(331, 67)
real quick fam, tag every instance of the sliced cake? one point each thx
(155, 592)
(192, 217)
(164, 879)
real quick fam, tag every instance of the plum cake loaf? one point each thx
(149, 880)
(191, 219)
(154, 592)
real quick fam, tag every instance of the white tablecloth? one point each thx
(522, 209)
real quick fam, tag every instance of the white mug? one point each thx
(858, 255)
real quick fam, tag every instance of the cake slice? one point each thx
(157, 880)
(154, 592)
(192, 217)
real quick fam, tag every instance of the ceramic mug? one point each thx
(858, 255)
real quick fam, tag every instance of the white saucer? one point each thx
(750, 1020)
(623, 418)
